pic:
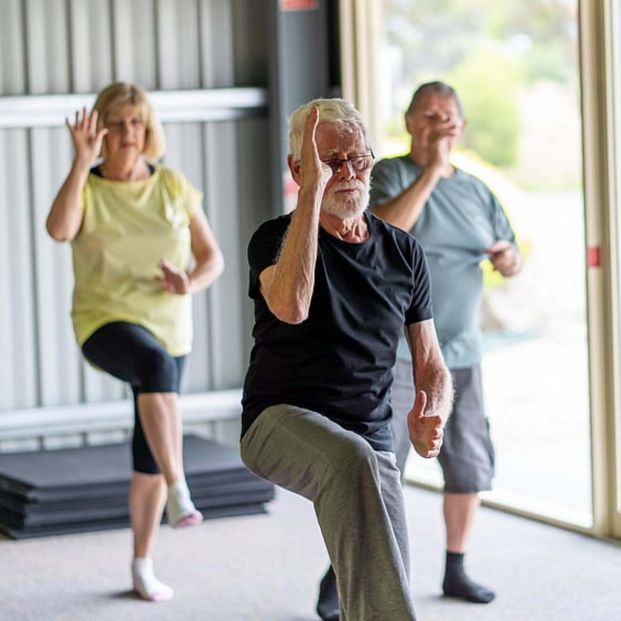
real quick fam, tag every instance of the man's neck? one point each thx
(354, 230)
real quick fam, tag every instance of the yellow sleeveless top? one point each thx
(127, 228)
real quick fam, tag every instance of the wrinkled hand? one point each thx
(86, 139)
(426, 430)
(312, 170)
(439, 150)
(439, 139)
(172, 279)
(504, 257)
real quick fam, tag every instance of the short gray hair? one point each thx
(441, 89)
(337, 111)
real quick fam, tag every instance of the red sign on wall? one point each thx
(299, 5)
(594, 256)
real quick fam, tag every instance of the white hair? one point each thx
(337, 111)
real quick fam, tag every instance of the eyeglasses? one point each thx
(358, 163)
(118, 125)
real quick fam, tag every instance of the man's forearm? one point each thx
(436, 381)
(404, 209)
(291, 280)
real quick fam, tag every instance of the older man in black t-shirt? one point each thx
(333, 288)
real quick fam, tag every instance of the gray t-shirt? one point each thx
(459, 220)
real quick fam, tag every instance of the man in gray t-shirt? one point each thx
(459, 223)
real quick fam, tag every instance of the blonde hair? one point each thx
(123, 94)
(337, 111)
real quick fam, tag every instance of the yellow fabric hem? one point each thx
(86, 333)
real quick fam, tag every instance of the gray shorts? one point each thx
(467, 455)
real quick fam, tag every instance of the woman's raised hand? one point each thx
(86, 139)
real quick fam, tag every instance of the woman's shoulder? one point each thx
(173, 179)
(169, 175)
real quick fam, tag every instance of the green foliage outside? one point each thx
(506, 59)
(487, 82)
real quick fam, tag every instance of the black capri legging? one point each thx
(131, 353)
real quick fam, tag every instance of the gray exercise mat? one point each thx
(84, 527)
(117, 510)
(99, 470)
(20, 506)
(82, 489)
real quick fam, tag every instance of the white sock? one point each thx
(179, 504)
(145, 582)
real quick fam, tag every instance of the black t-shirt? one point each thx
(339, 361)
(96, 170)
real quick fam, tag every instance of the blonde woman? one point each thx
(141, 247)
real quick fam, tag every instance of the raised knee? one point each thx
(356, 458)
(158, 372)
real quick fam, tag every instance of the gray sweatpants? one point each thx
(358, 500)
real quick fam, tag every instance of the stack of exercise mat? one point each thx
(85, 489)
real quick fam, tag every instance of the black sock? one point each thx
(328, 607)
(457, 584)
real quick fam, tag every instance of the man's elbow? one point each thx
(288, 313)
(292, 317)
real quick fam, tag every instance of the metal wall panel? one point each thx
(12, 67)
(250, 32)
(223, 206)
(18, 369)
(90, 44)
(47, 46)
(134, 42)
(216, 44)
(57, 354)
(178, 48)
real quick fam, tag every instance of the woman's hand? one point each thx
(86, 139)
(172, 279)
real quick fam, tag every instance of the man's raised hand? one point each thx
(312, 169)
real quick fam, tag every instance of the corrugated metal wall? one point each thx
(78, 46)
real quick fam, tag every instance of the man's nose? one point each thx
(345, 170)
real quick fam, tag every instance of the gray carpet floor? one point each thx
(265, 568)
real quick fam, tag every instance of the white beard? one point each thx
(345, 207)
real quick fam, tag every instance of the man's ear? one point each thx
(408, 122)
(294, 167)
